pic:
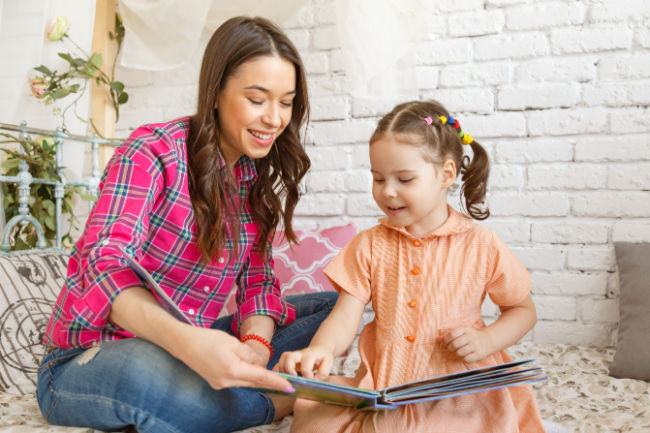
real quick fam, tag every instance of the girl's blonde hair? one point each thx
(442, 141)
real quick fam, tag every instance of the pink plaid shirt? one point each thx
(144, 207)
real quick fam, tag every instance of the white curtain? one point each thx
(377, 37)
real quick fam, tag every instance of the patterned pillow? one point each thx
(299, 268)
(29, 285)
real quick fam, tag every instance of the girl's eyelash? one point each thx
(405, 180)
(255, 101)
(287, 104)
(378, 180)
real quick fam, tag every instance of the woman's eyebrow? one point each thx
(264, 89)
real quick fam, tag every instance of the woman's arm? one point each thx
(334, 335)
(216, 356)
(473, 344)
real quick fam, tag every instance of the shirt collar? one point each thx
(455, 223)
(244, 169)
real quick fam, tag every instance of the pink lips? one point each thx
(394, 211)
(261, 141)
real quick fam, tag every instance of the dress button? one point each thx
(206, 289)
(417, 243)
(191, 311)
(410, 338)
(412, 304)
(105, 242)
(221, 260)
(415, 271)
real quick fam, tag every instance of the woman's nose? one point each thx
(272, 116)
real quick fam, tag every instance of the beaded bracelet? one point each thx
(259, 339)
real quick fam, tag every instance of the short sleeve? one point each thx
(509, 282)
(350, 269)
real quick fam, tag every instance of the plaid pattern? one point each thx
(145, 208)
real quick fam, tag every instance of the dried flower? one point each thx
(39, 86)
(57, 29)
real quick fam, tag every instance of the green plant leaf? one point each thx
(96, 60)
(123, 98)
(49, 207)
(65, 56)
(44, 69)
(50, 222)
(118, 86)
(59, 93)
(87, 197)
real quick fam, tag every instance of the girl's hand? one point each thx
(314, 359)
(469, 343)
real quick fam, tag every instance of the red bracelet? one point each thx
(259, 339)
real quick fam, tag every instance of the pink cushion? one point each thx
(299, 268)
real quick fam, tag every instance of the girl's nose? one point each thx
(389, 191)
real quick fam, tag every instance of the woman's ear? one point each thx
(448, 173)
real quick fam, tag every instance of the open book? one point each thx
(435, 388)
(155, 288)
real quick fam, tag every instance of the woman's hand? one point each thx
(314, 359)
(262, 352)
(223, 361)
(469, 343)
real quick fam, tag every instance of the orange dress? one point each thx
(421, 289)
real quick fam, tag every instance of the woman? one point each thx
(195, 201)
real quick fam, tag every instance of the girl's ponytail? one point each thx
(475, 172)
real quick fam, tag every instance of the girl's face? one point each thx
(409, 189)
(255, 107)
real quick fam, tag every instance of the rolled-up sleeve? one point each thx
(119, 219)
(258, 292)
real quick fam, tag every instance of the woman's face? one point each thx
(255, 106)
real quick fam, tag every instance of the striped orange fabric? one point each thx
(458, 265)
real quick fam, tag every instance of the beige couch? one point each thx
(578, 396)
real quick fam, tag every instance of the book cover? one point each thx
(153, 286)
(435, 388)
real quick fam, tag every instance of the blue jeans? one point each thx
(133, 382)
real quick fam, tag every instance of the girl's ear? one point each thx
(448, 173)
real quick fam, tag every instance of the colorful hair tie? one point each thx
(464, 138)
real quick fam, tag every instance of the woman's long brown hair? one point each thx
(442, 142)
(213, 189)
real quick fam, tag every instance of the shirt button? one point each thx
(105, 242)
(412, 304)
(417, 243)
(191, 311)
(415, 271)
(206, 289)
(410, 338)
(221, 260)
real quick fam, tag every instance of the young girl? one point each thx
(427, 269)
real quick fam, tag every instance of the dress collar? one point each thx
(455, 223)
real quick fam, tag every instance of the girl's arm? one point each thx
(473, 344)
(334, 336)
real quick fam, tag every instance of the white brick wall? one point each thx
(557, 90)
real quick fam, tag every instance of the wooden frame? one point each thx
(102, 112)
